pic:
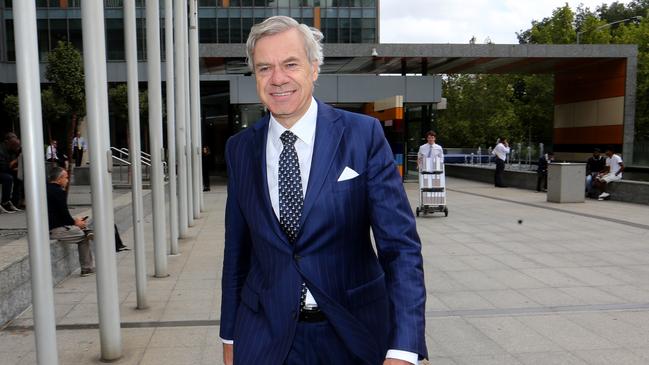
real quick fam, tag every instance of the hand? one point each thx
(389, 361)
(228, 354)
(80, 222)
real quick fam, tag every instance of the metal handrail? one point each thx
(145, 158)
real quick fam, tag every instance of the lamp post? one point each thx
(633, 18)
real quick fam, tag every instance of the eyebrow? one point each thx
(290, 59)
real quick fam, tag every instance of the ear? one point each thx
(314, 70)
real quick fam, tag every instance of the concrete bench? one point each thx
(625, 190)
(15, 274)
(629, 191)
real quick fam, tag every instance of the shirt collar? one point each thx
(304, 128)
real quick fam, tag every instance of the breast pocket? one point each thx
(351, 184)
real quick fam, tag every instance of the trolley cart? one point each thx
(432, 187)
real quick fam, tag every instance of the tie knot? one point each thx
(288, 138)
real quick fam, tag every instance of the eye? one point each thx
(262, 69)
(291, 65)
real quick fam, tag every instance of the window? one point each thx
(207, 30)
(223, 31)
(58, 31)
(211, 3)
(74, 30)
(11, 50)
(115, 39)
(246, 24)
(344, 36)
(43, 39)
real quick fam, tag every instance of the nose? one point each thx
(279, 77)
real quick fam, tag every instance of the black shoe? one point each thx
(206, 189)
(87, 272)
(8, 207)
(122, 248)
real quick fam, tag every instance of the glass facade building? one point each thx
(220, 21)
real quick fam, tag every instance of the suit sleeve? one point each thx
(236, 258)
(398, 246)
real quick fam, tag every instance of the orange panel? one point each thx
(316, 17)
(599, 135)
(598, 81)
(63, 4)
(226, 3)
(388, 114)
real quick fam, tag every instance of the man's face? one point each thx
(430, 139)
(13, 144)
(63, 179)
(596, 154)
(284, 75)
(609, 153)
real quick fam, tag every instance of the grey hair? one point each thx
(54, 173)
(278, 24)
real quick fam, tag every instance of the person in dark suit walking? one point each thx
(308, 184)
(542, 171)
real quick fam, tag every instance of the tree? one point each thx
(12, 108)
(557, 29)
(65, 72)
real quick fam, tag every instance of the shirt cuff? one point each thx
(227, 342)
(408, 356)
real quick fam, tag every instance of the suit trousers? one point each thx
(75, 235)
(318, 344)
(500, 169)
(77, 155)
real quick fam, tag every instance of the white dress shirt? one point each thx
(50, 153)
(501, 151)
(304, 129)
(428, 150)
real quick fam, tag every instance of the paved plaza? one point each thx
(511, 279)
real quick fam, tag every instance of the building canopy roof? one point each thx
(433, 58)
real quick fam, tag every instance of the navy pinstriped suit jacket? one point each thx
(374, 303)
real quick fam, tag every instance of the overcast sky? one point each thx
(456, 21)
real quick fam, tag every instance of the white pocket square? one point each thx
(347, 174)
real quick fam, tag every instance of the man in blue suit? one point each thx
(302, 282)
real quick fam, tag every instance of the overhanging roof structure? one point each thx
(434, 58)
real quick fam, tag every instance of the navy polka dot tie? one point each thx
(290, 187)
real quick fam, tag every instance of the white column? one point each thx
(31, 125)
(155, 136)
(139, 245)
(171, 131)
(189, 126)
(94, 57)
(181, 138)
(195, 96)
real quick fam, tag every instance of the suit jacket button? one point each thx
(297, 257)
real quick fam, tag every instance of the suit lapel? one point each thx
(329, 131)
(261, 175)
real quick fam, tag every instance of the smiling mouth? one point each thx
(285, 93)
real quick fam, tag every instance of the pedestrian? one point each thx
(500, 151)
(595, 164)
(430, 149)
(612, 172)
(302, 283)
(207, 164)
(63, 226)
(10, 157)
(542, 171)
(79, 146)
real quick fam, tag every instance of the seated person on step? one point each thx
(62, 226)
(612, 172)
